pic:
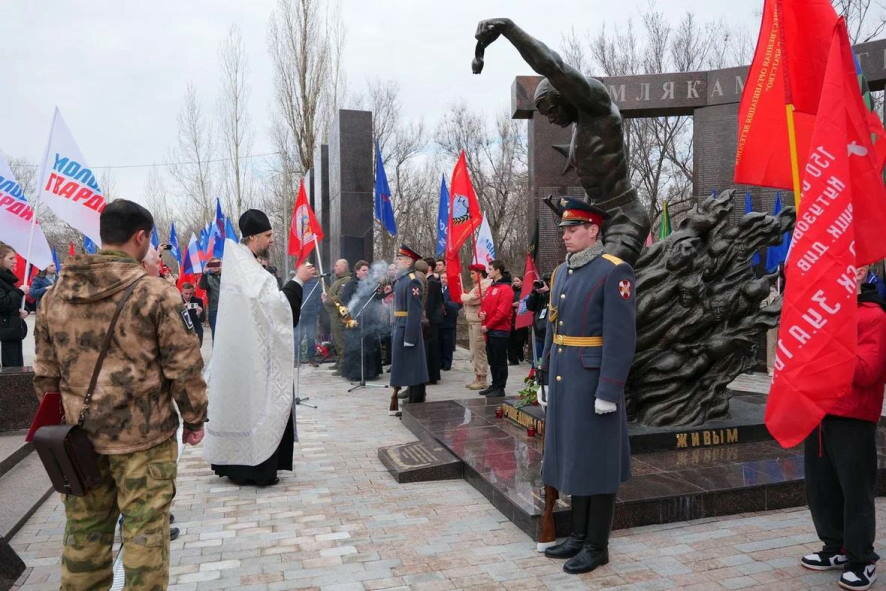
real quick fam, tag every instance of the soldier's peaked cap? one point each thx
(577, 211)
(253, 221)
(405, 251)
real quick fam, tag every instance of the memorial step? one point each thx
(23, 488)
(13, 449)
(420, 461)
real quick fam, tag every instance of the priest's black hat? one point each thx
(254, 221)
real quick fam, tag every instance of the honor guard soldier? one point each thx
(408, 362)
(588, 352)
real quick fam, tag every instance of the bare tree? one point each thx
(865, 19)
(156, 199)
(234, 121)
(305, 45)
(497, 161)
(191, 160)
(400, 142)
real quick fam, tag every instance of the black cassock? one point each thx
(266, 473)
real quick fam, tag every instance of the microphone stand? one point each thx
(297, 399)
(362, 383)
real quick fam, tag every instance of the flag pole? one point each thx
(39, 191)
(319, 264)
(792, 148)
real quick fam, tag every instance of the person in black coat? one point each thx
(450, 321)
(361, 341)
(196, 309)
(537, 302)
(434, 315)
(12, 325)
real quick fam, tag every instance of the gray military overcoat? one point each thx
(586, 453)
(409, 366)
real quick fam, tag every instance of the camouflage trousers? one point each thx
(141, 486)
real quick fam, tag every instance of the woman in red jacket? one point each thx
(841, 457)
(495, 314)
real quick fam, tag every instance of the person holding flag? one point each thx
(252, 369)
(827, 387)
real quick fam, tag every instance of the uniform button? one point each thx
(559, 349)
(559, 378)
(562, 296)
(561, 323)
(570, 271)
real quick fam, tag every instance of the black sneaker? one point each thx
(824, 561)
(494, 393)
(861, 578)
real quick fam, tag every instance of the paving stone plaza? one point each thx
(341, 522)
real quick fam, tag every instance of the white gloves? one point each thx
(602, 407)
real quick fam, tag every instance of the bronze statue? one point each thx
(597, 150)
(699, 312)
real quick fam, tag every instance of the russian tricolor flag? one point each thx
(192, 263)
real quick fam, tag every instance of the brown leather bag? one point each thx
(65, 450)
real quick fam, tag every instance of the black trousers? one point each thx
(516, 343)
(841, 475)
(497, 356)
(432, 351)
(447, 347)
(11, 354)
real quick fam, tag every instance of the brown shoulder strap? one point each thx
(101, 356)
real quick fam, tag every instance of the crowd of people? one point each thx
(403, 315)
(356, 314)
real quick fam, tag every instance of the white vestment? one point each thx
(250, 374)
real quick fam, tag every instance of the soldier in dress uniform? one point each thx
(588, 352)
(408, 362)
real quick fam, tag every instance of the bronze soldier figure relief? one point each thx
(597, 150)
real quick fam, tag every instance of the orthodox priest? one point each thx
(251, 371)
(409, 367)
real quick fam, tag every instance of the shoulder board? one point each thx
(612, 259)
(412, 275)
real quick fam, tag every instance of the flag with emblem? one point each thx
(464, 207)
(442, 218)
(304, 230)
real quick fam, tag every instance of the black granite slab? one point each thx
(11, 566)
(504, 463)
(419, 462)
(744, 424)
(18, 404)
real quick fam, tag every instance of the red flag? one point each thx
(453, 275)
(71, 251)
(815, 358)
(19, 269)
(788, 68)
(464, 207)
(304, 227)
(530, 274)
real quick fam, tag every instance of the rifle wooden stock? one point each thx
(547, 527)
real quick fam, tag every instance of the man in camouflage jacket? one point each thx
(153, 359)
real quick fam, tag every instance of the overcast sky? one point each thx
(118, 69)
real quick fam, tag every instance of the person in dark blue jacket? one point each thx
(42, 281)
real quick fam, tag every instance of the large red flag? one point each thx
(453, 275)
(788, 68)
(815, 358)
(304, 227)
(464, 207)
(530, 274)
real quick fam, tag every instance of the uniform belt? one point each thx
(560, 339)
(401, 313)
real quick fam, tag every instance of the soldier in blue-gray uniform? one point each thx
(588, 352)
(409, 366)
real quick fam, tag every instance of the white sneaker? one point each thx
(824, 561)
(861, 579)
